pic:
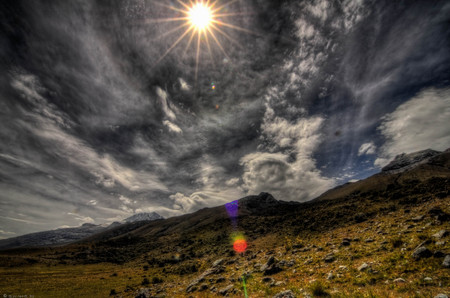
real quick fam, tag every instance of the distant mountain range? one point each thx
(70, 235)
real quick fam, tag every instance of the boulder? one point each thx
(446, 262)
(421, 252)
(285, 294)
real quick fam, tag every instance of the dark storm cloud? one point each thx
(98, 123)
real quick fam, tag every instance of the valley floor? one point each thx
(372, 258)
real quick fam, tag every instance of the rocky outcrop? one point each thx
(406, 161)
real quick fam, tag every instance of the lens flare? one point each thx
(240, 245)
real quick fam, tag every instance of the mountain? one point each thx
(384, 236)
(405, 161)
(53, 237)
(405, 173)
(143, 217)
(70, 235)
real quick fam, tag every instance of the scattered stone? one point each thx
(441, 234)
(270, 267)
(290, 263)
(438, 254)
(441, 296)
(329, 258)
(345, 243)
(399, 280)
(360, 217)
(268, 279)
(330, 276)
(217, 262)
(426, 242)
(225, 290)
(428, 279)
(143, 293)
(369, 240)
(363, 267)
(440, 243)
(418, 218)
(421, 252)
(279, 284)
(446, 262)
(343, 268)
(213, 270)
(285, 294)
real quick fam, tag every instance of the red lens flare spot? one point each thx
(240, 245)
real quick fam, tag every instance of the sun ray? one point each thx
(222, 6)
(197, 56)
(170, 7)
(189, 42)
(226, 35)
(184, 4)
(235, 27)
(174, 44)
(165, 20)
(218, 43)
(209, 48)
(171, 31)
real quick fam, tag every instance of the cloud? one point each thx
(71, 149)
(367, 148)
(164, 104)
(172, 127)
(288, 170)
(183, 85)
(419, 123)
(81, 218)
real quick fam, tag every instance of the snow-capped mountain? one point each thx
(143, 216)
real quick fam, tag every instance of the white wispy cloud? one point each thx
(420, 123)
(172, 126)
(367, 148)
(163, 97)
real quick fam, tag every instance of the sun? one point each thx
(200, 16)
(203, 20)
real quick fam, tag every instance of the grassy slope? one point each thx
(180, 249)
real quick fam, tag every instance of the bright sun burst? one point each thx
(200, 16)
(203, 19)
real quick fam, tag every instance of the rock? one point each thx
(213, 270)
(290, 263)
(421, 252)
(440, 215)
(446, 262)
(440, 243)
(225, 290)
(143, 293)
(428, 279)
(426, 242)
(360, 217)
(285, 294)
(441, 296)
(217, 262)
(279, 284)
(438, 254)
(399, 280)
(329, 258)
(268, 280)
(330, 276)
(404, 161)
(418, 218)
(343, 268)
(363, 267)
(345, 243)
(369, 240)
(270, 267)
(441, 234)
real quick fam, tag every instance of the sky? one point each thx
(110, 108)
